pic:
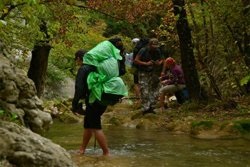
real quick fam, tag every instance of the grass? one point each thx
(242, 125)
(202, 124)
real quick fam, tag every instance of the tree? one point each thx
(186, 48)
(39, 61)
(131, 18)
(197, 44)
(229, 36)
(42, 26)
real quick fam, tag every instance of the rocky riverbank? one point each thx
(213, 121)
(226, 120)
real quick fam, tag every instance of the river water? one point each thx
(151, 148)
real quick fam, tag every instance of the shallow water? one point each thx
(151, 148)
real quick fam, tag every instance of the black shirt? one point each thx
(81, 86)
(147, 55)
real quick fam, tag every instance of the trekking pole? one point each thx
(95, 144)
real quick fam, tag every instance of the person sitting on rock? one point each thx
(171, 83)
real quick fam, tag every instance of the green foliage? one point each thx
(131, 18)
(69, 29)
(218, 27)
(115, 121)
(119, 27)
(202, 124)
(190, 106)
(245, 80)
(54, 74)
(242, 125)
(218, 35)
(8, 116)
(83, 35)
(1, 112)
(22, 29)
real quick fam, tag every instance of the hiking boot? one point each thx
(150, 110)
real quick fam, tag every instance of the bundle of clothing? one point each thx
(105, 84)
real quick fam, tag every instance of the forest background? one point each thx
(209, 38)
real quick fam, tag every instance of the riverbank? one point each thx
(153, 147)
(216, 120)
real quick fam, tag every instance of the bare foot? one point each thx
(81, 151)
(106, 154)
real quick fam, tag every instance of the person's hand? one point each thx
(162, 74)
(165, 82)
(79, 110)
(162, 78)
(149, 63)
(157, 62)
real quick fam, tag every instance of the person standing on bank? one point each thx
(94, 111)
(135, 74)
(149, 61)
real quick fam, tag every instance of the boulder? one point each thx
(21, 147)
(18, 97)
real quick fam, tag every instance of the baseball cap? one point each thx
(135, 40)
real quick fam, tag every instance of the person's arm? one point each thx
(164, 67)
(80, 89)
(138, 59)
(177, 74)
(122, 67)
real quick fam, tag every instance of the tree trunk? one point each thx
(38, 67)
(187, 54)
(39, 61)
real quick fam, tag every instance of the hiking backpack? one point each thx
(141, 44)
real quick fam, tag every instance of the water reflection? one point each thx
(133, 147)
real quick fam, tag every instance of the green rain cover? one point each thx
(104, 56)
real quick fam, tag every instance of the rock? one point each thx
(9, 92)
(21, 147)
(67, 117)
(146, 124)
(18, 97)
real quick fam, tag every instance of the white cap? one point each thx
(135, 40)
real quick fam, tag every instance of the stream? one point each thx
(151, 148)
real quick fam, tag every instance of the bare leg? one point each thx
(101, 139)
(137, 90)
(137, 95)
(162, 101)
(167, 99)
(87, 134)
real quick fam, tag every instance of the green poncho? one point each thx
(104, 56)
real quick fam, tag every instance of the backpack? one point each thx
(141, 44)
(105, 85)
